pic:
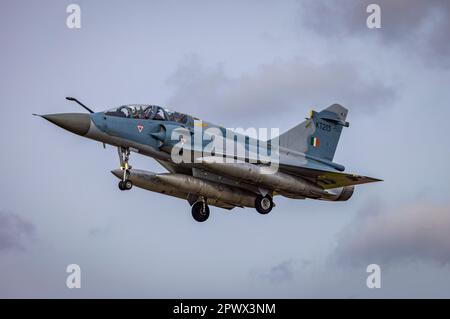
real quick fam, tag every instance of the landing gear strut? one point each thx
(124, 155)
(200, 211)
(263, 204)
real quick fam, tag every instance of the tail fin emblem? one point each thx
(315, 142)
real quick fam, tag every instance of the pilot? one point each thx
(146, 113)
(140, 113)
(134, 113)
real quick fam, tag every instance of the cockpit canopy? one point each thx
(149, 112)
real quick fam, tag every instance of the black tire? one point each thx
(197, 212)
(127, 184)
(121, 186)
(263, 204)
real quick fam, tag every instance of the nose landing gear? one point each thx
(124, 155)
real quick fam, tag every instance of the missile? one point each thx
(208, 189)
(261, 175)
(179, 185)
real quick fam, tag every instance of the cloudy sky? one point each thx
(235, 63)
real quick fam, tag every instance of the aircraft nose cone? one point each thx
(77, 123)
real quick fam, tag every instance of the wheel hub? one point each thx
(265, 203)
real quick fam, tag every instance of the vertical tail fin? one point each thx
(319, 135)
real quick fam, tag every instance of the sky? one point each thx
(238, 64)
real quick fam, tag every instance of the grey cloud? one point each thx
(418, 26)
(14, 231)
(281, 86)
(281, 272)
(415, 232)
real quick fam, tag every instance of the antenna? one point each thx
(82, 105)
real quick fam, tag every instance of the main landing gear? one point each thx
(200, 211)
(264, 204)
(124, 155)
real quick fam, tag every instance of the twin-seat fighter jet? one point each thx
(249, 172)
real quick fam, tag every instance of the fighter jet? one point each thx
(297, 164)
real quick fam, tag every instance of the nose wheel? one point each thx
(124, 155)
